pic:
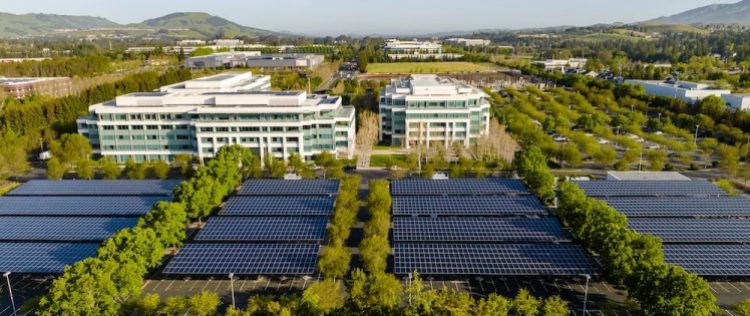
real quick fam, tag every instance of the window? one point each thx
(249, 129)
(222, 129)
(153, 127)
(123, 127)
(207, 129)
(108, 127)
(277, 129)
(166, 127)
(138, 127)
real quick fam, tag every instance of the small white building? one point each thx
(416, 50)
(737, 101)
(690, 92)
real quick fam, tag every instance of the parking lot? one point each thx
(24, 287)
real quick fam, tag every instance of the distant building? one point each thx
(255, 59)
(20, 60)
(20, 88)
(468, 42)
(561, 64)
(737, 101)
(416, 50)
(645, 175)
(192, 42)
(198, 117)
(690, 92)
(227, 42)
(425, 109)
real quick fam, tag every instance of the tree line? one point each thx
(102, 285)
(629, 258)
(86, 66)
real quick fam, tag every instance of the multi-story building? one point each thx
(561, 64)
(20, 88)
(416, 50)
(200, 116)
(255, 60)
(425, 109)
(737, 101)
(468, 42)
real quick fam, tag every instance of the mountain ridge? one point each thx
(730, 13)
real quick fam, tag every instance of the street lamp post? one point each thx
(231, 282)
(586, 293)
(10, 292)
(696, 134)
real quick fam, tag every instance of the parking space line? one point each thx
(609, 289)
(170, 285)
(145, 284)
(736, 288)
(268, 282)
(218, 283)
(206, 285)
(722, 287)
(157, 285)
(242, 286)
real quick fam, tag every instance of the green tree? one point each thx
(555, 306)
(428, 171)
(531, 165)
(494, 305)
(168, 221)
(204, 303)
(569, 153)
(13, 158)
(729, 159)
(374, 253)
(324, 297)
(605, 156)
(55, 170)
(525, 304)
(707, 147)
(159, 169)
(183, 162)
(85, 169)
(657, 159)
(71, 149)
(334, 261)
(136, 170)
(744, 308)
(109, 168)
(175, 305)
(86, 288)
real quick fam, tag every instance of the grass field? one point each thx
(430, 67)
(384, 160)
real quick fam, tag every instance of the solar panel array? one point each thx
(492, 259)
(674, 188)
(95, 187)
(278, 206)
(273, 227)
(231, 228)
(681, 207)
(407, 229)
(478, 227)
(479, 205)
(289, 187)
(458, 187)
(245, 258)
(702, 228)
(28, 228)
(78, 205)
(42, 257)
(46, 225)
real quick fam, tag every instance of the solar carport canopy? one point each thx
(22, 257)
(96, 188)
(681, 206)
(458, 187)
(654, 188)
(78, 205)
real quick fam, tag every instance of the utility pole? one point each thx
(231, 282)
(10, 292)
(586, 293)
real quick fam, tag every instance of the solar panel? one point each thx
(289, 187)
(710, 260)
(252, 259)
(681, 207)
(96, 187)
(230, 228)
(490, 205)
(651, 188)
(20, 257)
(457, 187)
(28, 228)
(78, 205)
(492, 259)
(278, 206)
(477, 230)
(694, 230)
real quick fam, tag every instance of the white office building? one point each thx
(468, 42)
(561, 64)
(737, 101)
(200, 116)
(690, 92)
(255, 60)
(425, 109)
(416, 50)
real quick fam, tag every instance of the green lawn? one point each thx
(430, 67)
(382, 160)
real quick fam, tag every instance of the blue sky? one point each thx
(333, 17)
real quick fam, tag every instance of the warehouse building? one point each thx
(255, 60)
(200, 116)
(690, 92)
(425, 109)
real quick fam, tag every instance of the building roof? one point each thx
(431, 85)
(645, 175)
(27, 80)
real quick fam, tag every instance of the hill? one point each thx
(182, 25)
(206, 25)
(12, 25)
(734, 13)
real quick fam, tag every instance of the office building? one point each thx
(690, 92)
(255, 60)
(20, 88)
(468, 42)
(425, 109)
(561, 64)
(416, 50)
(737, 101)
(198, 117)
